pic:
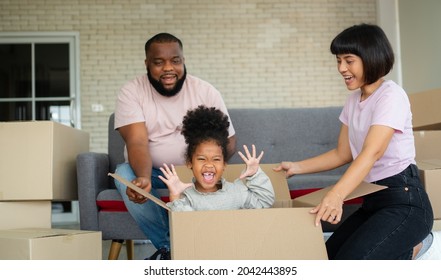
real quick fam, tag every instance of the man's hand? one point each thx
(143, 183)
(251, 161)
(174, 184)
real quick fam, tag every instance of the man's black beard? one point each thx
(166, 92)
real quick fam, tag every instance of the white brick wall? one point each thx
(257, 53)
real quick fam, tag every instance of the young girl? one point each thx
(376, 137)
(206, 133)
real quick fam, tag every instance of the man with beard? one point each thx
(148, 115)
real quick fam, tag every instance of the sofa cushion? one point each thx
(111, 201)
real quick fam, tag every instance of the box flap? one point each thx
(427, 144)
(252, 234)
(426, 114)
(314, 198)
(429, 164)
(278, 180)
(139, 190)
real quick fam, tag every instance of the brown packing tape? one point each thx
(140, 191)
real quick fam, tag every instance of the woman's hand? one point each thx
(288, 167)
(251, 161)
(174, 184)
(330, 209)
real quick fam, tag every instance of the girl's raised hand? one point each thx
(171, 179)
(251, 161)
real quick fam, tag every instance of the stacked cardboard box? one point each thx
(21, 214)
(50, 244)
(426, 110)
(286, 231)
(427, 131)
(39, 160)
(38, 163)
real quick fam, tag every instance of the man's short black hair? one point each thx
(162, 38)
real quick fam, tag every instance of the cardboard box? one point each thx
(50, 244)
(427, 144)
(40, 160)
(24, 214)
(428, 157)
(430, 174)
(282, 232)
(252, 234)
(426, 113)
(436, 225)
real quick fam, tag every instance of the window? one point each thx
(39, 77)
(39, 80)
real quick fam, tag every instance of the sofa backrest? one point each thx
(282, 133)
(286, 134)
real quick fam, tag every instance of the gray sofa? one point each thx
(283, 134)
(290, 135)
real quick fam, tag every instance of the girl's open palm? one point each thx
(251, 161)
(171, 179)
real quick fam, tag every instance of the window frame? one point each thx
(72, 39)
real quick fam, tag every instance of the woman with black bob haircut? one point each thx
(378, 58)
(376, 139)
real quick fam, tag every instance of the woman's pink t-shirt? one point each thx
(389, 106)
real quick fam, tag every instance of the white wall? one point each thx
(388, 20)
(258, 53)
(420, 33)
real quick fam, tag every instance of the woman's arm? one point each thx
(326, 161)
(375, 144)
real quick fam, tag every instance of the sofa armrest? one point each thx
(92, 169)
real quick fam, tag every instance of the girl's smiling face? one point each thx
(208, 165)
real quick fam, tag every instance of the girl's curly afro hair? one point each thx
(205, 124)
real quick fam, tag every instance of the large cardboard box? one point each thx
(38, 160)
(23, 214)
(436, 225)
(426, 113)
(254, 234)
(50, 244)
(427, 144)
(430, 173)
(428, 157)
(286, 231)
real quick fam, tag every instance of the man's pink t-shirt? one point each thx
(138, 101)
(389, 106)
